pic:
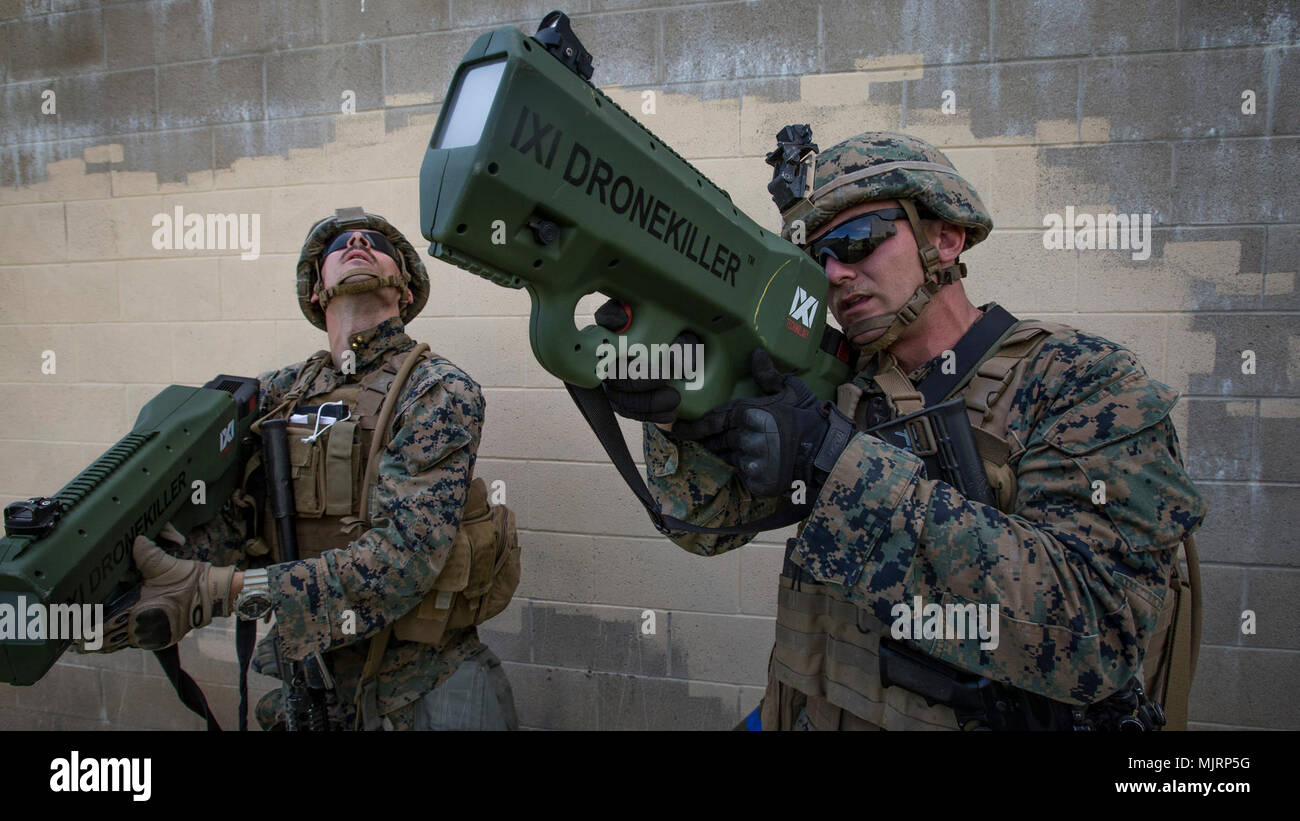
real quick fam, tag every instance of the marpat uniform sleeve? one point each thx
(219, 541)
(420, 488)
(696, 486)
(1078, 583)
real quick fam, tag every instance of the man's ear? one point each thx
(950, 241)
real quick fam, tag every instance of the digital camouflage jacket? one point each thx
(1079, 584)
(420, 486)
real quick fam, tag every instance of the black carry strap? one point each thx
(972, 347)
(595, 408)
(245, 639)
(186, 688)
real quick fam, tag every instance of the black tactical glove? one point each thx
(645, 400)
(776, 439)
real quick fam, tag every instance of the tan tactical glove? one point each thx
(177, 595)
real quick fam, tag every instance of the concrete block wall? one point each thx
(237, 106)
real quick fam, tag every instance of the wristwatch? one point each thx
(254, 599)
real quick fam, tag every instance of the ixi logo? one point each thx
(803, 311)
(226, 436)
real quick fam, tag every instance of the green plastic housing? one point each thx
(635, 222)
(138, 485)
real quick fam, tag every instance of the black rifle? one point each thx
(306, 686)
(941, 435)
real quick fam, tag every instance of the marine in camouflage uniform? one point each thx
(336, 601)
(1083, 587)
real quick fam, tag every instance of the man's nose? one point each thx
(838, 273)
(361, 239)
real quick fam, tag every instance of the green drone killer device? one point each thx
(534, 178)
(74, 548)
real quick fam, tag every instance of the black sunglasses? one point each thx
(855, 239)
(376, 240)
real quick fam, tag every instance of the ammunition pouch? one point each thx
(326, 471)
(478, 579)
(327, 468)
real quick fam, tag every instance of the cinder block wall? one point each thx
(236, 106)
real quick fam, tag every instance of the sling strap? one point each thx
(245, 641)
(596, 409)
(187, 689)
(974, 347)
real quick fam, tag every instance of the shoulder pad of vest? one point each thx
(1027, 329)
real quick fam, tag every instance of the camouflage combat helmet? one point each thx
(412, 272)
(879, 165)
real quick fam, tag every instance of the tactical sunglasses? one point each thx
(377, 241)
(855, 239)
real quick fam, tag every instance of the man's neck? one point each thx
(941, 325)
(348, 320)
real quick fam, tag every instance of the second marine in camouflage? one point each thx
(400, 554)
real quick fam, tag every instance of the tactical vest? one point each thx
(331, 440)
(824, 672)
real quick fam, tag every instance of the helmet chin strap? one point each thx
(936, 276)
(374, 283)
